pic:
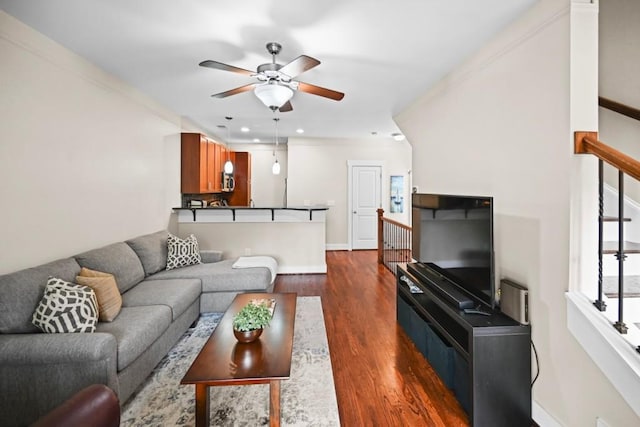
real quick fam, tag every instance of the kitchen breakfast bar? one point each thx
(294, 236)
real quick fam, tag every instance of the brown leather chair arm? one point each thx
(96, 406)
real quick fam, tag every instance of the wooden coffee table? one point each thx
(224, 361)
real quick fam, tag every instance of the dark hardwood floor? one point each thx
(381, 378)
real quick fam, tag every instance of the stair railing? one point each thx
(625, 110)
(394, 242)
(587, 143)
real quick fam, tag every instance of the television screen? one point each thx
(453, 235)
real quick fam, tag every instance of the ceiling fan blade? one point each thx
(299, 65)
(235, 91)
(321, 91)
(286, 107)
(226, 67)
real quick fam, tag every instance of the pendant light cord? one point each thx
(276, 148)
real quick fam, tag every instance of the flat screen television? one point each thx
(453, 236)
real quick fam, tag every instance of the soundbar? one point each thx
(442, 286)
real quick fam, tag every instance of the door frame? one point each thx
(351, 164)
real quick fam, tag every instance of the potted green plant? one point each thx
(249, 322)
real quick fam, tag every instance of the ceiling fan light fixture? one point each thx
(273, 95)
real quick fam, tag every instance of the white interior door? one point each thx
(365, 194)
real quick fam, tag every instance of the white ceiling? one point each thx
(381, 54)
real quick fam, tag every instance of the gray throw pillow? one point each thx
(182, 252)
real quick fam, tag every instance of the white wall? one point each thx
(84, 159)
(500, 125)
(318, 173)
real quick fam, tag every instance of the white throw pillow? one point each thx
(182, 252)
(66, 307)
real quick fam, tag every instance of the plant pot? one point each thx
(247, 336)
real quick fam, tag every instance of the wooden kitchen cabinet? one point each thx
(241, 195)
(224, 152)
(215, 170)
(200, 164)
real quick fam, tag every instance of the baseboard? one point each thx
(542, 417)
(337, 247)
(302, 269)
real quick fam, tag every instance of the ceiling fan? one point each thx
(275, 85)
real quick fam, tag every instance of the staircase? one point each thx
(618, 288)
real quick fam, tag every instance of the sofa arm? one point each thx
(40, 371)
(96, 406)
(209, 256)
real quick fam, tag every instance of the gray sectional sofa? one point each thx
(39, 371)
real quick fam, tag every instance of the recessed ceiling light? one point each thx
(245, 129)
(374, 133)
(256, 139)
(397, 136)
(300, 130)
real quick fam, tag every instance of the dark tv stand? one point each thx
(484, 359)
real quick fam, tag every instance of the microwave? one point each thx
(228, 183)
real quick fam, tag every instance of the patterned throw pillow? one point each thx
(182, 252)
(66, 307)
(106, 289)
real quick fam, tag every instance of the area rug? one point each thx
(308, 397)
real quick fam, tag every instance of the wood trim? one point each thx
(625, 110)
(579, 147)
(587, 143)
(380, 212)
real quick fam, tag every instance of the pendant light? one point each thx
(228, 166)
(275, 169)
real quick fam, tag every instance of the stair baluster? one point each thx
(620, 255)
(599, 303)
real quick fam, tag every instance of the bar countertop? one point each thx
(247, 212)
(294, 208)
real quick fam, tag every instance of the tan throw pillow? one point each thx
(106, 289)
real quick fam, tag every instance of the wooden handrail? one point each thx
(587, 143)
(396, 223)
(625, 110)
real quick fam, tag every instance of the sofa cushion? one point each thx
(66, 307)
(182, 252)
(152, 250)
(106, 289)
(220, 276)
(20, 293)
(118, 259)
(177, 294)
(135, 329)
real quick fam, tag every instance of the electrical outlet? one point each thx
(247, 251)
